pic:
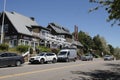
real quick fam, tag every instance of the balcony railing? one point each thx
(52, 37)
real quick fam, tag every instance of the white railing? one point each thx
(51, 37)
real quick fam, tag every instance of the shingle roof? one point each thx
(59, 29)
(20, 22)
(77, 43)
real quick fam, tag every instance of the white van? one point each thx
(67, 55)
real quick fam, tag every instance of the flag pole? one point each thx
(3, 19)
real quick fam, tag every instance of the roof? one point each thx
(20, 22)
(59, 29)
(76, 43)
(41, 27)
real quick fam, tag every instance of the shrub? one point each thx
(22, 48)
(44, 49)
(31, 50)
(55, 51)
(4, 47)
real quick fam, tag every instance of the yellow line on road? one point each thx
(38, 71)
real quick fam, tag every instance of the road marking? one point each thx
(39, 71)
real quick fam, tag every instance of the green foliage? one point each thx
(111, 48)
(55, 51)
(13, 50)
(31, 50)
(44, 49)
(86, 40)
(22, 48)
(112, 7)
(117, 52)
(97, 44)
(4, 47)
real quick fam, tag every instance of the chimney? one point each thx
(32, 18)
(76, 33)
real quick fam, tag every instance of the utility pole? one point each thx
(3, 20)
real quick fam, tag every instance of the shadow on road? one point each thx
(112, 74)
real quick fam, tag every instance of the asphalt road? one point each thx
(79, 70)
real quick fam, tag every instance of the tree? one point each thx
(117, 52)
(111, 49)
(106, 49)
(86, 40)
(112, 7)
(98, 43)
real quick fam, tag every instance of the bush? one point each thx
(22, 48)
(4, 47)
(31, 50)
(44, 49)
(55, 51)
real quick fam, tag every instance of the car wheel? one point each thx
(54, 60)
(18, 63)
(67, 60)
(74, 60)
(42, 61)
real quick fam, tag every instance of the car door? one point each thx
(48, 57)
(11, 58)
(3, 59)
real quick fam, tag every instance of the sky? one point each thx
(67, 13)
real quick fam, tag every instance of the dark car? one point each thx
(10, 59)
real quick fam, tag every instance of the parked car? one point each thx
(87, 57)
(67, 55)
(10, 59)
(109, 57)
(44, 57)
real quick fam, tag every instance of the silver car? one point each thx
(108, 57)
(87, 57)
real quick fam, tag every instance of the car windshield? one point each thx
(41, 54)
(63, 53)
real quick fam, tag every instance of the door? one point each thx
(3, 59)
(48, 56)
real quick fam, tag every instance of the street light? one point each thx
(2, 28)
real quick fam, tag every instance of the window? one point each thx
(6, 28)
(12, 54)
(15, 42)
(4, 55)
(49, 54)
(26, 42)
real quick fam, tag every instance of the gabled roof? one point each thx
(59, 29)
(41, 27)
(20, 22)
(77, 43)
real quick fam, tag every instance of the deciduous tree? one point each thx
(112, 7)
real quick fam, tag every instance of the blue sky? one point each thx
(67, 13)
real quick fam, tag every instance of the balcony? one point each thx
(50, 37)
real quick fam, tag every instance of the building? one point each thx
(18, 29)
(22, 30)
